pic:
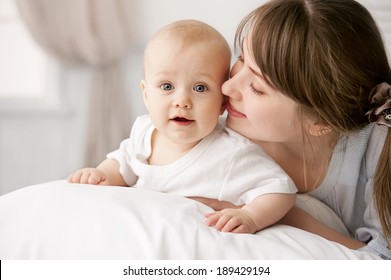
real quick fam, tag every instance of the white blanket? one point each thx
(57, 220)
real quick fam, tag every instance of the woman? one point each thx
(311, 76)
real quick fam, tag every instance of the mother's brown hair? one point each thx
(326, 55)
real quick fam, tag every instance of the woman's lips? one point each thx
(233, 113)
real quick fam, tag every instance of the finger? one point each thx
(84, 177)
(212, 219)
(75, 177)
(103, 182)
(241, 229)
(210, 214)
(94, 179)
(69, 178)
(231, 224)
(222, 221)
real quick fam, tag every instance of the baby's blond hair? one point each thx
(189, 32)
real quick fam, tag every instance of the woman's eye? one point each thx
(167, 86)
(257, 92)
(200, 88)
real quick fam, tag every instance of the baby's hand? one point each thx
(91, 176)
(231, 220)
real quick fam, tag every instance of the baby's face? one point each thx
(182, 88)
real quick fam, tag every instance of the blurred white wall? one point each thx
(42, 146)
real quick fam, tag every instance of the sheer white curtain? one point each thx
(96, 33)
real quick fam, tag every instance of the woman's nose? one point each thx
(232, 87)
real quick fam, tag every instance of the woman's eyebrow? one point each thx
(254, 72)
(241, 57)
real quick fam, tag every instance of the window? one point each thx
(29, 79)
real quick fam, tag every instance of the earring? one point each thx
(319, 131)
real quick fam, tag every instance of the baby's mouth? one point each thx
(181, 121)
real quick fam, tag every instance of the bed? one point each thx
(57, 220)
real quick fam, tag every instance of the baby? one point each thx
(180, 147)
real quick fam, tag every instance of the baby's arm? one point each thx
(262, 212)
(106, 173)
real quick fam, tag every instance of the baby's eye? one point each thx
(167, 86)
(200, 88)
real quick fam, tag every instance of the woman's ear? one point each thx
(319, 129)
(143, 87)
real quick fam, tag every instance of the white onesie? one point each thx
(224, 166)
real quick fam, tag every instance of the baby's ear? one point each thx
(224, 104)
(143, 87)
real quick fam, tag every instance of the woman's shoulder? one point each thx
(370, 139)
(375, 146)
(363, 146)
(354, 159)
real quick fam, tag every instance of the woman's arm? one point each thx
(299, 218)
(296, 217)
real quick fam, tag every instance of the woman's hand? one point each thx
(215, 204)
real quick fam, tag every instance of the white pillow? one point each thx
(57, 220)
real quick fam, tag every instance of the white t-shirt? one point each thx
(224, 165)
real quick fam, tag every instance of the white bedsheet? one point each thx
(57, 220)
